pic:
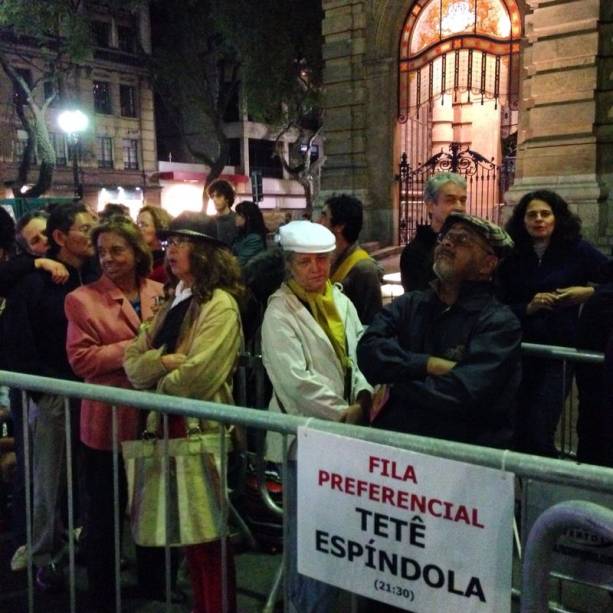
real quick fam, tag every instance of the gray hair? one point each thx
(436, 181)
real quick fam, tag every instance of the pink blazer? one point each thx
(101, 324)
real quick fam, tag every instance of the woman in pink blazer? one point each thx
(103, 318)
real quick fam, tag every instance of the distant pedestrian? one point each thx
(223, 196)
(252, 231)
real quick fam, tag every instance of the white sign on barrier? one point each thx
(418, 532)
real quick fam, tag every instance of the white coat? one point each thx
(305, 372)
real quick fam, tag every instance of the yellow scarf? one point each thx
(357, 255)
(326, 314)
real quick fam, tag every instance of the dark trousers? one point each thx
(541, 397)
(594, 420)
(99, 538)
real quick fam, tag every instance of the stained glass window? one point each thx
(442, 19)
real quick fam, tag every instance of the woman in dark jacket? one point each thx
(545, 280)
(252, 232)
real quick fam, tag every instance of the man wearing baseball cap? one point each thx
(449, 356)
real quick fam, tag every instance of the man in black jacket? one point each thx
(34, 335)
(450, 354)
(444, 192)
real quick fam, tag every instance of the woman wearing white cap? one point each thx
(309, 337)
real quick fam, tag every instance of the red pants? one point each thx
(205, 572)
(204, 560)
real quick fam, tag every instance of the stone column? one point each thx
(343, 51)
(564, 121)
(442, 125)
(359, 119)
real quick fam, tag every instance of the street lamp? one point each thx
(72, 123)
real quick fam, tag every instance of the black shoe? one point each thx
(50, 578)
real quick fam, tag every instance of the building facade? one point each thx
(525, 83)
(117, 152)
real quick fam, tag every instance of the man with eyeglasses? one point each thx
(449, 356)
(35, 326)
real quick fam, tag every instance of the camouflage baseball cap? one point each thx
(497, 238)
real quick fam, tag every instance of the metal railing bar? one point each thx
(545, 469)
(70, 501)
(117, 516)
(284, 558)
(25, 418)
(224, 519)
(166, 473)
(553, 607)
(562, 353)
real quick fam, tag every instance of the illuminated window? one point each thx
(442, 19)
(127, 100)
(130, 154)
(104, 151)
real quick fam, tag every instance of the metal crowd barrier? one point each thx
(560, 472)
(569, 356)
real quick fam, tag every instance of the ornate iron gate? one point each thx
(486, 183)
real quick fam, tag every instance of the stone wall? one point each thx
(560, 146)
(566, 107)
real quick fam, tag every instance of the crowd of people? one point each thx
(166, 305)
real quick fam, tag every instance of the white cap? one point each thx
(306, 237)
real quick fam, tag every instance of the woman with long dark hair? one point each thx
(151, 220)
(545, 280)
(191, 350)
(252, 231)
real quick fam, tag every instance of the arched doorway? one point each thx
(457, 101)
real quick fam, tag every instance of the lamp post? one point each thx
(73, 123)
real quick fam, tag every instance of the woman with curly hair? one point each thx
(251, 238)
(191, 350)
(545, 280)
(151, 220)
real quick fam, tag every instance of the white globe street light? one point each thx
(73, 123)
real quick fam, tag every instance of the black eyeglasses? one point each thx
(176, 241)
(462, 239)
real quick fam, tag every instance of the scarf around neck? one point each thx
(325, 313)
(357, 255)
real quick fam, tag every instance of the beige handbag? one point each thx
(192, 513)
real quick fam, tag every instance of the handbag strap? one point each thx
(154, 422)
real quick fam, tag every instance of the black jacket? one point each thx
(475, 401)
(417, 258)
(13, 270)
(34, 324)
(522, 275)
